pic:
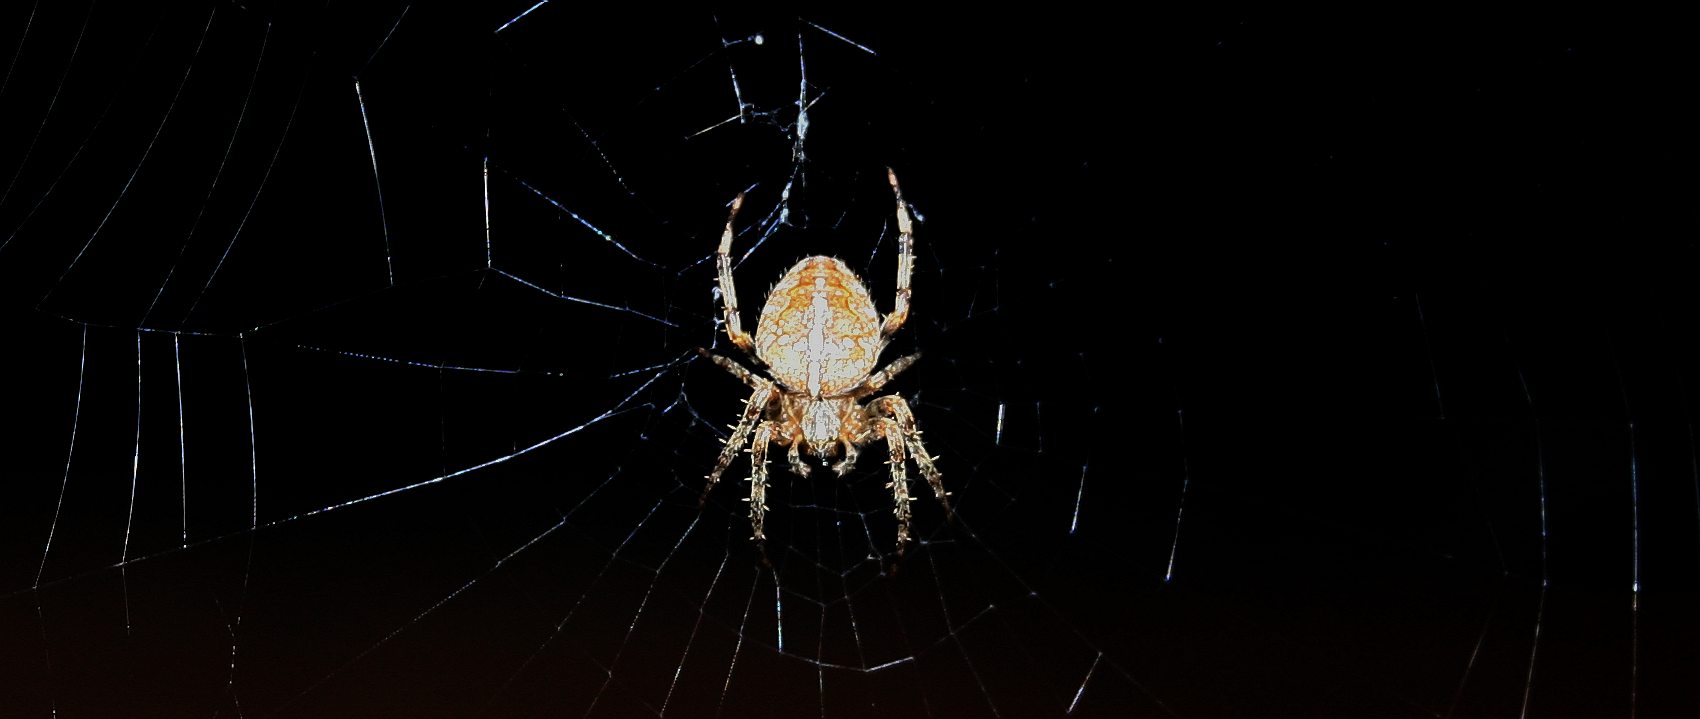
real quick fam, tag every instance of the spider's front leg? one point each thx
(758, 478)
(753, 408)
(899, 485)
(898, 410)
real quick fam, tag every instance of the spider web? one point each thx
(353, 373)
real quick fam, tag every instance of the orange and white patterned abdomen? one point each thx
(819, 332)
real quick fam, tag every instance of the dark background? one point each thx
(1396, 315)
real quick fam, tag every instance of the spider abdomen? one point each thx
(819, 331)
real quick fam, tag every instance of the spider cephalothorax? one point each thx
(820, 337)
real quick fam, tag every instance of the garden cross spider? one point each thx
(820, 336)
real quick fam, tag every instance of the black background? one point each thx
(1374, 291)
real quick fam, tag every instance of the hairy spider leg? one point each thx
(898, 410)
(905, 260)
(753, 407)
(899, 484)
(878, 379)
(758, 478)
(731, 365)
(728, 289)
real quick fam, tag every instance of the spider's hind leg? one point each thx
(729, 290)
(905, 261)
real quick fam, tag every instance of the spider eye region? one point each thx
(820, 425)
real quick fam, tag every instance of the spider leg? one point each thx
(731, 365)
(729, 290)
(758, 479)
(878, 379)
(753, 407)
(899, 485)
(905, 260)
(898, 410)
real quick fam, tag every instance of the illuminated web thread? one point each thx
(619, 408)
(800, 603)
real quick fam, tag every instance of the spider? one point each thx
(820, 337)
